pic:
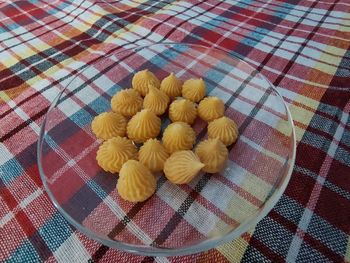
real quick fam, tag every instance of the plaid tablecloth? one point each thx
(302, 46)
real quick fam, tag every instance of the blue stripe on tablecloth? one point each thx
(275, 236)
(292, 211)
(328, 126)
(90, 196)
(83, 118)
(333, 238)
(343, 155)
(55, 231)
(324, 124)
(10, 170)
(283, 208)
(11, 27)
(344, 67)
(27, 157)
(255, 256)
(100, 105)
(317, 140)
(272, 234)
(53, 11)
(308, 254)
(168, 55)
(255, 37)
(66, 127)
(24, 253)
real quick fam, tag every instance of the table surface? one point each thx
(301, 46)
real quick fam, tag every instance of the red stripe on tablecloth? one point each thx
(300, 187)
(335, 209)
(23, 124)
(265, 250)
(332, 97)
(33, 172)
(12, 81)
(339, 175)
(7, 197)
(20, 216)
(25, 223)
(313, 161)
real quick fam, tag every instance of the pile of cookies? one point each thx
(134, 119)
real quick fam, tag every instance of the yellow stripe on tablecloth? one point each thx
(333, 49)
(250, 182)
(7, 95)
(240, 209)
(4, 97)
(136, 3)
(283, 127)
(344, 24)
(303, 110)
(24, 53)
(235, 249)
(331, 70)
(300, 116)
(9, 61)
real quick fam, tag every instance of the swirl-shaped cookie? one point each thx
(153, 155)
(127, 102)
(213, 153)
(143, 79)
(182, 110)
(113, 153)
(108, 124)
(182, 166)
(224, 129)
(156, 101)
(178, 136)
(136, 183)
(143, 126)
(194, 89)
(172, 86)
(211, 108)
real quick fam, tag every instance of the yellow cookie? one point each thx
(183, 110)
(178, 136)
(172, 86)
(182, 166)
(194, 89)
(136, 183)
(127, 102)
(143, 126)
(224, 129)
(108, 124)
(213, 153)
(153, 155)
(211, 108)
(156, 101)
(113, 153)
(143, 79)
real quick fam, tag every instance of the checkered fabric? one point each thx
(301, 46)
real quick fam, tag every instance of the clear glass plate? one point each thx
(177, 220)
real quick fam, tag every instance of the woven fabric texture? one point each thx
(301, 46)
